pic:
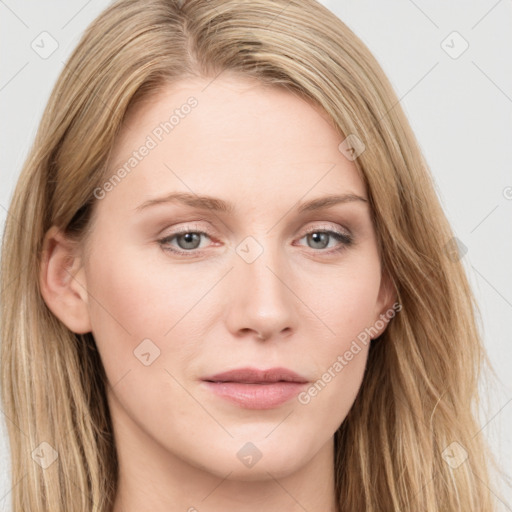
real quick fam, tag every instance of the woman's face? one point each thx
(182, 290)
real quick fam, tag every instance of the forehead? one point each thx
(229, 135)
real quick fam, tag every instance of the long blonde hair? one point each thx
(419, 395)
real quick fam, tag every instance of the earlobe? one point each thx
(62, 281)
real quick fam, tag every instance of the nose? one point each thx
(261, 304)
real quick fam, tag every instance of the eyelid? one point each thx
(195, 228)
(328, 227)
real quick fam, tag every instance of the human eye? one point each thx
(188, 239)
(321, 236)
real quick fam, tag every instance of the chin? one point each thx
(261, 471)
(275, 459)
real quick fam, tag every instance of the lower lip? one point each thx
(256, 396)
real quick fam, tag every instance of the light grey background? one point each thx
(460, 109)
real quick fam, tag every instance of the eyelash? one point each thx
(345, 239)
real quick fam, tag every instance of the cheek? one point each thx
(348, 303)
(131, 302)
(340, 361)
(348, 309)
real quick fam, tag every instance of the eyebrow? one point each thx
(219, 205)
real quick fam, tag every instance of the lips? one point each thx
(251, 388)
(255, 376)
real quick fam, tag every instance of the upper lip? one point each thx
(256, 376)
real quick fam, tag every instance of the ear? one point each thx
(384, 309)
(62, 281)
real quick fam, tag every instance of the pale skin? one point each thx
(299, 304)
